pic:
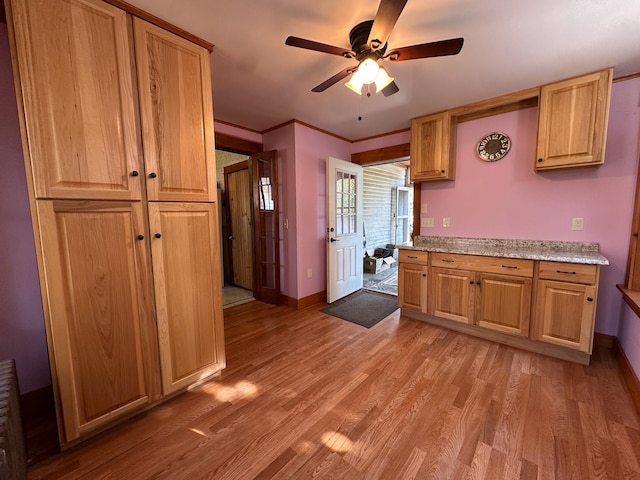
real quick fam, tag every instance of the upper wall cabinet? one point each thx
(74, 58)
(572, 122)
(432, 148)
(174, 80)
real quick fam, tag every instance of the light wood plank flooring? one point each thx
(306, 395)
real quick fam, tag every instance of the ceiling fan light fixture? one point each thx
(355, 83)
(382, 79)
(368, 70)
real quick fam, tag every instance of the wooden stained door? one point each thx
(186, 269)
(77, 87)
(264, 179)
(239, 224)
(176, 110)
(98, 292)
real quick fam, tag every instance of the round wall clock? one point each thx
(493, 147)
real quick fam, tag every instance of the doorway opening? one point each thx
(388, 219)
(235, 287)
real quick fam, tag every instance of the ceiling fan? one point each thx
(369, 44)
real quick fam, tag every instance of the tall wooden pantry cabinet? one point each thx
(117, 128)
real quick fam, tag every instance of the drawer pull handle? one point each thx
(411, 256)
(448, 261)
(513, 267)
(566, 273)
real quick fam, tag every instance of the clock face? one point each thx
(493, 147)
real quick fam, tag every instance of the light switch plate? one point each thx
(426, 222)
(423, 208)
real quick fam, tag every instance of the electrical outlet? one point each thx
(446, 221)
(309, 272)
(577, 223)
(426, 222)
(423, 208)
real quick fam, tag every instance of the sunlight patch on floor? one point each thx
(336, 442)
(230, 393)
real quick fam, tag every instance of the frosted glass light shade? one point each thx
(355, 83)
(382, 79)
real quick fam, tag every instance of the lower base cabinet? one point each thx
(123, 334)
(542, 306)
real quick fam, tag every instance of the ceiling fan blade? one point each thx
(335, 79)
(386, 18)
(390, 89)
(426, 50)
(319, 47)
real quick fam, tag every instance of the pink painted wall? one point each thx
(312, 149)
(237, 132)
(283, 140)
(22, 334)
(380, 142)
(507, 199)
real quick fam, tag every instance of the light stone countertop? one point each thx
(553, 251)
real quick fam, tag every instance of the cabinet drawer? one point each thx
(413, 256)
(505, 266)
(568, 272)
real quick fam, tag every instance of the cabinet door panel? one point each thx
(505, 304)
(412, 286)
(186, 268)
(572, 121)
(452, 294)
(99, 306)
(176, 110)
(432, 145)
(77, 86)
(565, 314)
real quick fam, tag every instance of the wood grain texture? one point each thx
(412, 286)
(74, 64)
(381, 155)
(240, 227)
(186, 266)
(239, 145)
(433, 147)
(176, 109)
(307, 395)
(572, 121)
(101, 317)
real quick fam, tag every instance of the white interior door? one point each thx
(344, 228)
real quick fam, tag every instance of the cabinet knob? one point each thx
(140, 237)
(134, 173)
(152, 175)
(442, 171)
(158, 235)
(477, 283)
(471, 282)
(589, 299)
(540, 160)
(424, 274)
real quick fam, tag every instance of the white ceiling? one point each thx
(259, 82)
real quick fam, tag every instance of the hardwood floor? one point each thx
(306, 395)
